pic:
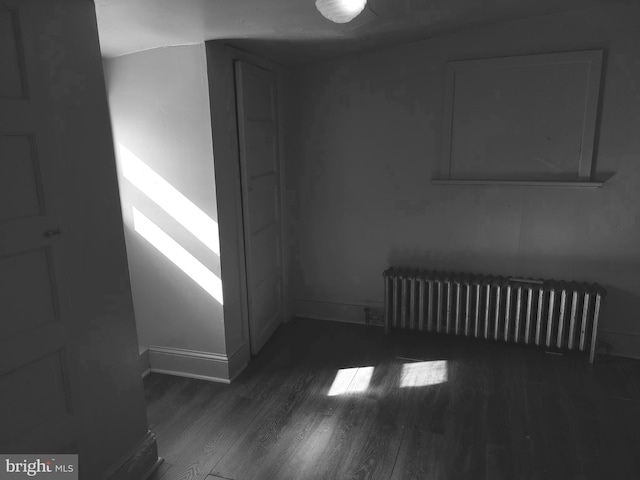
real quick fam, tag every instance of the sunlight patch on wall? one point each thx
(183, 210)
(421, 374)
(178, 255)
(351, 380)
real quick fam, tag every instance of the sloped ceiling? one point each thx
(292, 31)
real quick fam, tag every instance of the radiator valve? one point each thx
(373, 316)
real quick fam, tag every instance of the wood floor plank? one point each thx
(500, 464)
(413, 406)
(359, 442)
(632, 369)
(420, 456)
(271, 420)
(553, 449)
(205, 442)
(208, 441)
(465, 432)
(295, 405)
(307, 437)
(177, 472)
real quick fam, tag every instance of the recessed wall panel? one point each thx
(522, 118)
(524, 122)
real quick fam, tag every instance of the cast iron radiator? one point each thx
(553, 314)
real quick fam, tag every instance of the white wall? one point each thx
(364, 142)
(159, 105)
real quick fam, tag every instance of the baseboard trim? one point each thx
(238, 361)
(624, 344)
(261, 339)
(192, 375)
(143, 359)
(138, 463)
(153, 468)
(213, 367)
(335, 311)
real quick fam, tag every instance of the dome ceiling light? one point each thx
(340, 11)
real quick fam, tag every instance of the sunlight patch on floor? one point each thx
(422, 374)
(351, 380)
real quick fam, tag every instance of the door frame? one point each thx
(221, 59)
(244, 181)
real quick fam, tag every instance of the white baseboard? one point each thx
(138, 463)
(190, 363)
(143, 359)
(336, 311)
(263, 337)
(238, 360)
(624, 344)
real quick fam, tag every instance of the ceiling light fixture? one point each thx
(340, 11)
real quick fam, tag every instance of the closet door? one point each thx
(256, 90)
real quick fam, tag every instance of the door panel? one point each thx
(19, 315)
(36, 339)
(33, 404)
(267, 305)
(256, 90)
(12, 78)
(20, 182)
(267, 258)
(264, 205)
(261, 148)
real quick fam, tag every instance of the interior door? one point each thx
(37, 377)
(256, 93)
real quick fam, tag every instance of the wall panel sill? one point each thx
(517, 183)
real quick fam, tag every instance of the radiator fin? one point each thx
(554, 314)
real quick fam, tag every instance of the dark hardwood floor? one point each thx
(433, 408)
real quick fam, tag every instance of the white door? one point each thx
(256, 90)
(37, 375)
